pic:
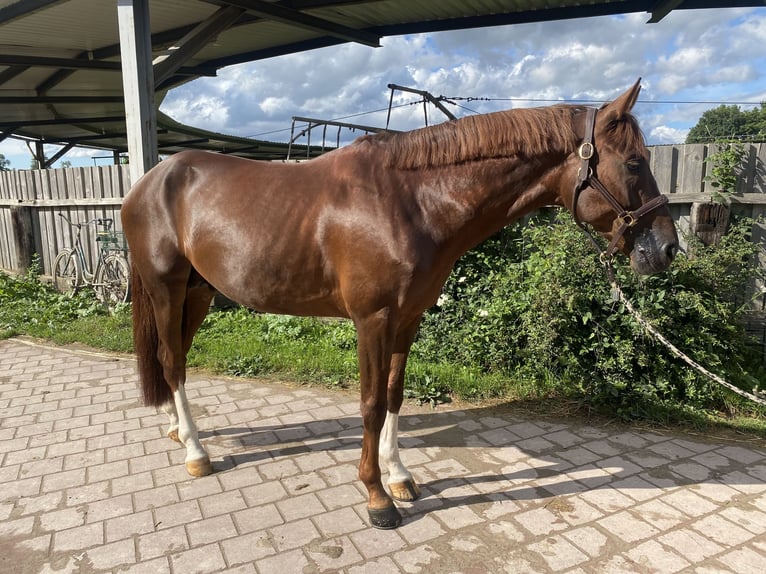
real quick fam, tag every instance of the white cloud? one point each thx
(667, 135)
(274, 105)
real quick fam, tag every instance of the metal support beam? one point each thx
(193, 42)
(427, 95)
(61, 122)
(51, 160)
(20, 9)
(662, 8)
(138, 85)
(273, 11)
(83, 64)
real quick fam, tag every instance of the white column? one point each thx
(138, 85)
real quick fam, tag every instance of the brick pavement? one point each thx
(89, 483)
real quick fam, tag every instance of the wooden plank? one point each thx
(63, 202)
(23, 237)
(691, 168)
(663, 165)
(6, 240)
(758, 182)
(745, 199)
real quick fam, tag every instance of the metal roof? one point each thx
(60, 71)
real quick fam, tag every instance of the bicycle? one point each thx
(110, 278)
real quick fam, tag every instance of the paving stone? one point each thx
(652, 554)
(248, 548)
(162, 543)
(88, 480)
(293, 561)
(627, 527)
(329, 555)
(558, 553)
(690, 544)
(293, 534)
(129, 525)
(113, 556)
(198, 560)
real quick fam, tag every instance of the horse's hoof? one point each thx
(173, 435)
(406, 491)
(385, 518)
(199, 467)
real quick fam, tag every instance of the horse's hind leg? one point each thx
(179, 311)
(169, 409)
(400, 481)
(196, 306)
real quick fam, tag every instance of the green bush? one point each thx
(534, 304)
(30, 306)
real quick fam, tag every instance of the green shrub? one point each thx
(27, 305)
(534, 304)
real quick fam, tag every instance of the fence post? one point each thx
(23, 236)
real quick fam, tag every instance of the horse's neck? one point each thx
(465, 204)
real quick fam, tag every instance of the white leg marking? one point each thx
(169, 409)
(187, 431)
(389, 450)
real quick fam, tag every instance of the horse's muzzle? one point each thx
(652, 254)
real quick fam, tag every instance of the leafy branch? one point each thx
(727, 165)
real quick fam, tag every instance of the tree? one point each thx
(5, 164)
(726, 123)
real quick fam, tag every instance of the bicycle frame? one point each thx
(109, 274)
(78, 248)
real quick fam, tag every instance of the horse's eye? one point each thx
(633, 165)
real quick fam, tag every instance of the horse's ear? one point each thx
(619, 108)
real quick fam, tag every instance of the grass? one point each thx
(239, 342)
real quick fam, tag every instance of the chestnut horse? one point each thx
(370, 232)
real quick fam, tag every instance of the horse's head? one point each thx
(614, 190)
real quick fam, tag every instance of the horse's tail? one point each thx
(155, 389)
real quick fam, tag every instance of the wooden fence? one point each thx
(682, 173)
(31, 199)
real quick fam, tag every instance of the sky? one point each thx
(689, 62)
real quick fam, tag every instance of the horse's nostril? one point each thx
(671, 250)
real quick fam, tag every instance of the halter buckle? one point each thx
(585, 151)
(605, 258)
(628, 219)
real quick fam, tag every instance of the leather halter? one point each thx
(587, 178)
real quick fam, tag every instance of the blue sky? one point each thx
(689, 62)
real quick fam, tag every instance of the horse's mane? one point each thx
(524, 132)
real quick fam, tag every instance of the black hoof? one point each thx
(385, 518)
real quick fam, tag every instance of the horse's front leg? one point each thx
(375, 342)
(400, 481)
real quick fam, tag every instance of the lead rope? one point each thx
(756, 396)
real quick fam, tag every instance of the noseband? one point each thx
(587, 178)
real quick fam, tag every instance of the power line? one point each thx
(340, 118)
(587, 101)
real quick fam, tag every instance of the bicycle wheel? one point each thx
(66, 272)
(111, 282)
